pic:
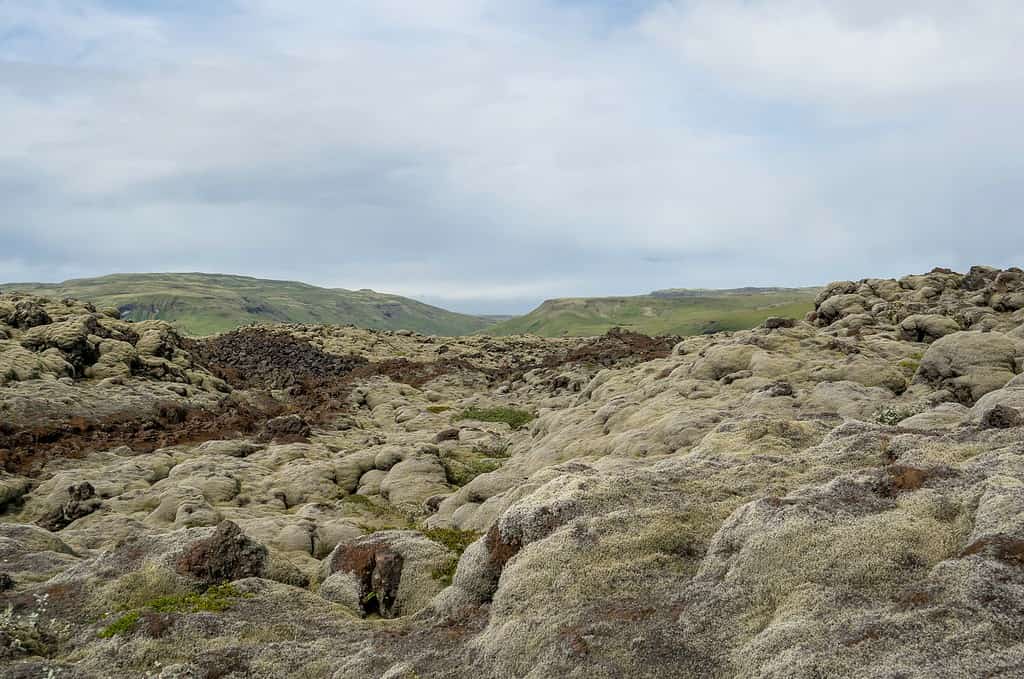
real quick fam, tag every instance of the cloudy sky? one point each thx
(487, 154)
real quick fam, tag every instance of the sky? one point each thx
(485, 155)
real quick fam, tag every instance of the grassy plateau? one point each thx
(675, 312)
(203, 304)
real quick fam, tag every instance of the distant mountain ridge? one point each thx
(202, 304)
(675, 311)
(712, 292)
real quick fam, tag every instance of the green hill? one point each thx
(202, 304)
(675, 312)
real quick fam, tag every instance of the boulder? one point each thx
(1000, 408)
(838, 306)
(927, 327)
(224, 556)
(287, 427)
(412, 481)
(1002, 417)
(369, 483)
(116, 359)
(76, 339)
(721, 360)
(970, 364)
(777, 322)
(29, 553)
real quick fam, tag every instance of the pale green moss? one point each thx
(513, 417)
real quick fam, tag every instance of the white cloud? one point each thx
(850, 55)
(471, 149)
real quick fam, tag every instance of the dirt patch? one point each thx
(1000, 547)
(904, 478)
(500, 549)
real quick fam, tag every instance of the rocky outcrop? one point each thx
(926, 307)
(45, 338)
(72, 377)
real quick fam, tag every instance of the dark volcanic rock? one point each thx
(450, 434)
(287, 427)
(28, 314)
(225, 556)
(1002, 417)
(780, 388)
(263, 358)
(82, 501)
(378, 569)
(776, 322)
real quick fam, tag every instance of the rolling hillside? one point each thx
(677, 311)
(202, 304)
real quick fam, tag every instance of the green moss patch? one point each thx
(216, 599)
(123, 625)
(363, 502)
(455, 540)
(452, 538)
(459, 472)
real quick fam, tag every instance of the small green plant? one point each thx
(513, 417)
(893, 415)
(126, 623)
(455, 540)
(438, 409)
(910, 365)
(500, 449)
